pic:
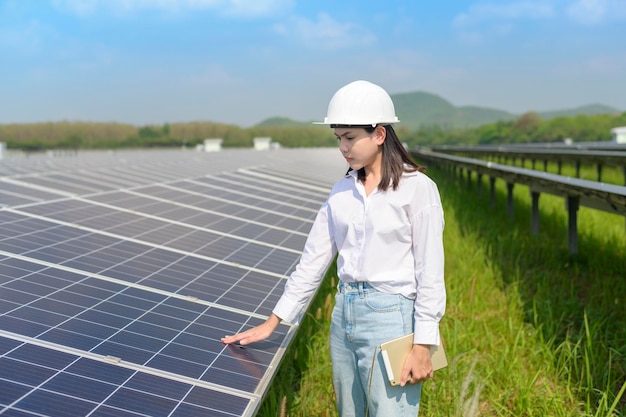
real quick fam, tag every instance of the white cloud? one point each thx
(26, 39)
(486, 20)
(252, 8)
(591, 12)
(488, 12)
(587, 11)
(325, 32)
(581, 11)
(77, 7)
(233, 8)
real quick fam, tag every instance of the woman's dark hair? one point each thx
(396, 159)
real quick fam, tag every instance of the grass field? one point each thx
(530, 330)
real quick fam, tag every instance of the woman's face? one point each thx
(360, 148)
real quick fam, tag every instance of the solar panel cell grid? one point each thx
(21, 194)
(49, 183)
(122, 327)
(122, 271)
(39, 381)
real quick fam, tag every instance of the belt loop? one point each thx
(361, 290)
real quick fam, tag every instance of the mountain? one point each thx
(590, 110)
(281, 122)
(421, 109)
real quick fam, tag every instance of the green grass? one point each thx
(530, 330)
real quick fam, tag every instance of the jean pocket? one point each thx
(382, 302)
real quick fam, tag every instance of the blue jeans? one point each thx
(362, 319)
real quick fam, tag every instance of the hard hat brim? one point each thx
(356, 122)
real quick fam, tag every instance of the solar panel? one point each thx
(38, 380)
(121, 271)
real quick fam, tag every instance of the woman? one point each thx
(384, 221)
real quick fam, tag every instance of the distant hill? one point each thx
(590, 110)
(281, 122)
(421, 109)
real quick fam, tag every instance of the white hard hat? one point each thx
(360, 103)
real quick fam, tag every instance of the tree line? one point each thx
(92, 135)
(528, 128)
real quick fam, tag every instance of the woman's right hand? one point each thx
(255, 334)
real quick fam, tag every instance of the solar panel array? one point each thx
(121, 271)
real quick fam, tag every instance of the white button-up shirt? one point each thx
(391, 240)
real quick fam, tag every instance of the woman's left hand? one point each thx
(418, 366)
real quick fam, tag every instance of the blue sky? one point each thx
(241, 61)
